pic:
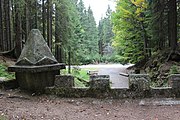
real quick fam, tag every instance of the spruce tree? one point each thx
(105, 31)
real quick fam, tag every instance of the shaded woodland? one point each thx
(144, 32)
(147, 34)
(143, 27)
(67, 26)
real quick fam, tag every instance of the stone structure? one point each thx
(174, 81)
(8, 84)
(65, 81)
(36, 67)
(139, 82)
(99, 81)
(99, 88)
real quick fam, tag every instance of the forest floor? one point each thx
(16, 105)
(7, 61)
(159, 66)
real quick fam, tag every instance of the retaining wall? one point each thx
(139, 87)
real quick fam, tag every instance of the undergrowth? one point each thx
(78, 73)
(2, 117)
(174, 69)
(5, 73)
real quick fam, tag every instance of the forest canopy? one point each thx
(135, 31)
(68, 27)
(142, 27)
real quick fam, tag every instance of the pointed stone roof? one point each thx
(36, 51)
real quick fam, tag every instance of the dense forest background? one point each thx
(136, 31)
(144, 27)
(68, 27)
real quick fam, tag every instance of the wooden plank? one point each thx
(124, 74)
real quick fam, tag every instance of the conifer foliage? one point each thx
(105, 32)
(142, 27)
(68, 27)
(137, 29)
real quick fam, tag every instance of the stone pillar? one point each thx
(139, 82)
(174, 81)
(99, 82)
(36, 82)
(64, 81)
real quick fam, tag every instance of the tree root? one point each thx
(10, 53)
(174, 55)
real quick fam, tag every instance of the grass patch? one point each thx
(79, 73)
(2, 117)
(5, 73)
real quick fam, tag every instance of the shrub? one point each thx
(5, 73)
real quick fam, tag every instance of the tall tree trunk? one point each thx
(1, 25)
(13, 22)
(58, 42)
(18, 34)
(35, 14)
(69, 60)
(169, 29)
(160, 25)
(31, 14)
(161, 34)
(49, 23)
(7, 24)
(145, 40)
(100, 47)
(173, 23)
(27, 28)
(44, 18)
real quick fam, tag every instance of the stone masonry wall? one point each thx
(139, 81)
(64, 87)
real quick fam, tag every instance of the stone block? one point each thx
(174, 81)
(162, 92)
(139, 82)
(99, 82)
(65, 81)
(97, 77)
(36, 82)
(8, 84)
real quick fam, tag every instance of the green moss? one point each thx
(174, 69)
(80, 73)
(5, 73)
(3, 117)
(83, 74)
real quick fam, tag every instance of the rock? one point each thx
(66, 81)
(36, 51)
(3, 79)
(8, 84)
(174, 81)
(100, 81)
(96, 102)
(159, 102)
(139, 82)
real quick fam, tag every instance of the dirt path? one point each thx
(19, 106)
(113, 71)
(117, 80)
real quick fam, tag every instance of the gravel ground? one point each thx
(113, 71)
(16, 105)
